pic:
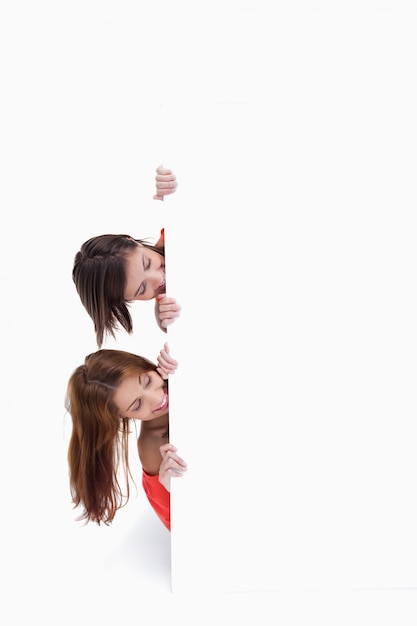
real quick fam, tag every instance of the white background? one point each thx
(292, 132)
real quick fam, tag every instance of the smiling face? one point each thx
(143, 397)
(145, 274)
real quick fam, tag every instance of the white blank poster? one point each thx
(291, 246)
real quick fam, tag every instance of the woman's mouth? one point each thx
(164, 403)
(162, 287)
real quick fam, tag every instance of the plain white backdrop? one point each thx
(291, 129)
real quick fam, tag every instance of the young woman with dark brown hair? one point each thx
(111, 271)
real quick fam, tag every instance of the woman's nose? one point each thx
(156, 277)
(153, 397)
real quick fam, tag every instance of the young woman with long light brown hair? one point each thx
(109, 390)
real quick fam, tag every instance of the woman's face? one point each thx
(143, 397)
(145, 274)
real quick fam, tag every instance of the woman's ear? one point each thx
(136, 242)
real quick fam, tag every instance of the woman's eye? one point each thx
(137, 407)
(148, 382)
(147, 264)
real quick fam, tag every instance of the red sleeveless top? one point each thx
(158, 497)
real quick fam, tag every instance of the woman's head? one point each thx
(112, 270)
(111, 387)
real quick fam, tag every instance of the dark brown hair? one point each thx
(99, 438)
(99, 274)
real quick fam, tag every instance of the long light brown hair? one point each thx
(99, 440)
